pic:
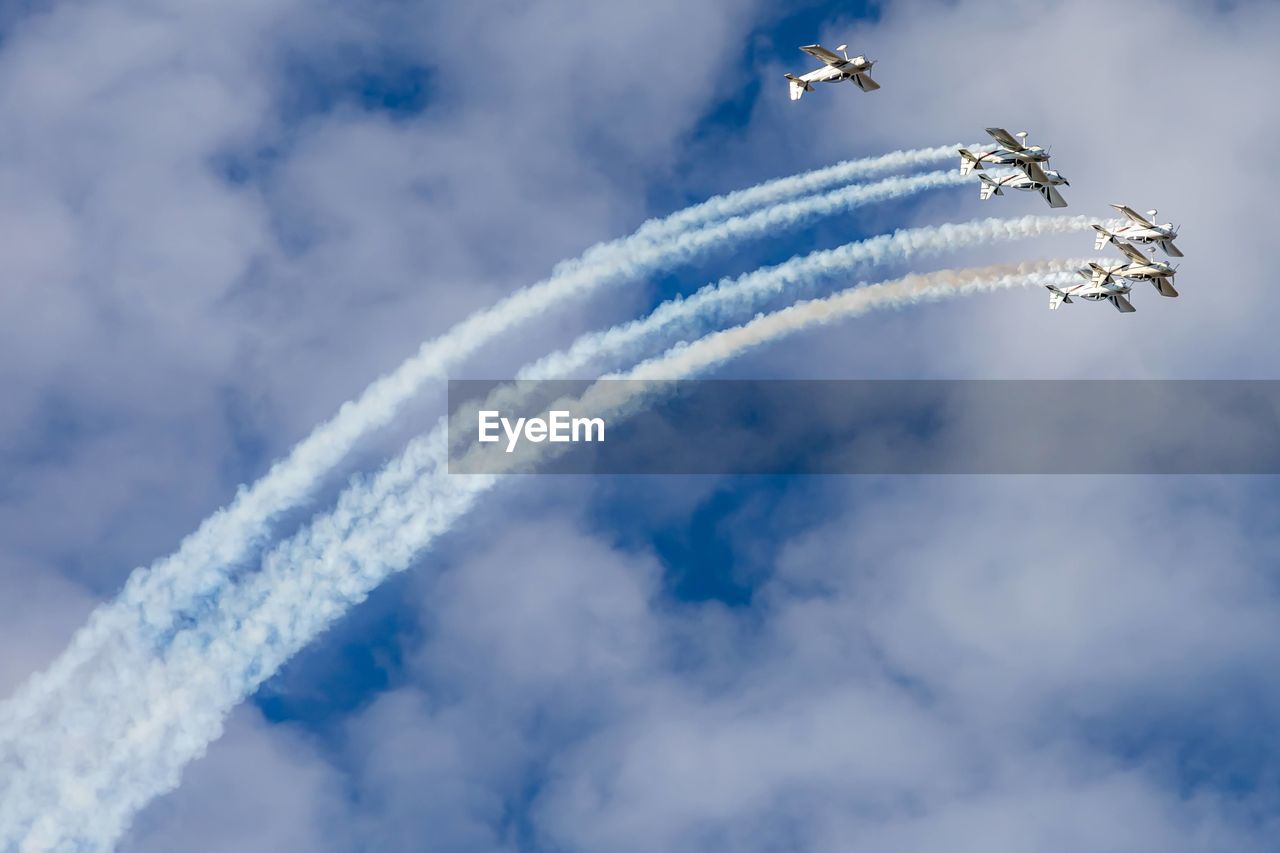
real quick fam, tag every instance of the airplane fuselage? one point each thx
(1155, 269)
(1005, 157)
(835, 73)
(1019, 181)
(1112, 290)
(1145, 234)
(1098, 292)
(1137, 272)
(1029, 155)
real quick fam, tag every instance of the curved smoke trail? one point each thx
(313, 578)
(152, 596)
(68, 734)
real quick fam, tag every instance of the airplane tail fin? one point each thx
(1057, 297)
(1164, 287)
(989, 187)
(1103, 236)
(1098, 275)
(798, 87)
(969, 161)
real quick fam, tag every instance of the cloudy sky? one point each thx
(220, 220)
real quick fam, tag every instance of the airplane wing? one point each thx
(1052, 195)
(1034, 172)
(1130, 252)
(1124, 306)
(1165, 287)
(1005, 138)
(865, 83)
(1131, 214)
(817, 51)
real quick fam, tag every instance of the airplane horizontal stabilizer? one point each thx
(798, 87)
(989, 187)
(1103, 236)
(969, 161)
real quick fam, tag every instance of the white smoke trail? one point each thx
(70, 729)
(772, 192)
(151, 598)
(716, 304)
(310, 580)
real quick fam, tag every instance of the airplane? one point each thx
(1138, 268)
(1142, 229)
(837, 68)
(1014, 152)
(1048, 187)
(1112, 290)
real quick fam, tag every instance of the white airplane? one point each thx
(837, 68)
(1048, 187)
(1115, 291)
(1142, 229)
(1014, 151)
(1137, 268)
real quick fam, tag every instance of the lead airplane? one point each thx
(836, 68)
(1137, 268)
(1141, 229)
(1047, 186)
(1115, 291)
(1013, 151)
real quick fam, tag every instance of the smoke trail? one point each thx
(310, 580)
(782, 189)
(689, 317)
(151, 597)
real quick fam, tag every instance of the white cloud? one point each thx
(266, 788)
(938, 666)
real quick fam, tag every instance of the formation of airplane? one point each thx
(1103, 281)
(836, 67)
(1113, 282)
(1029, 160)
(1141, 229)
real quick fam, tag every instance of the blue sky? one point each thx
(221, 221)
